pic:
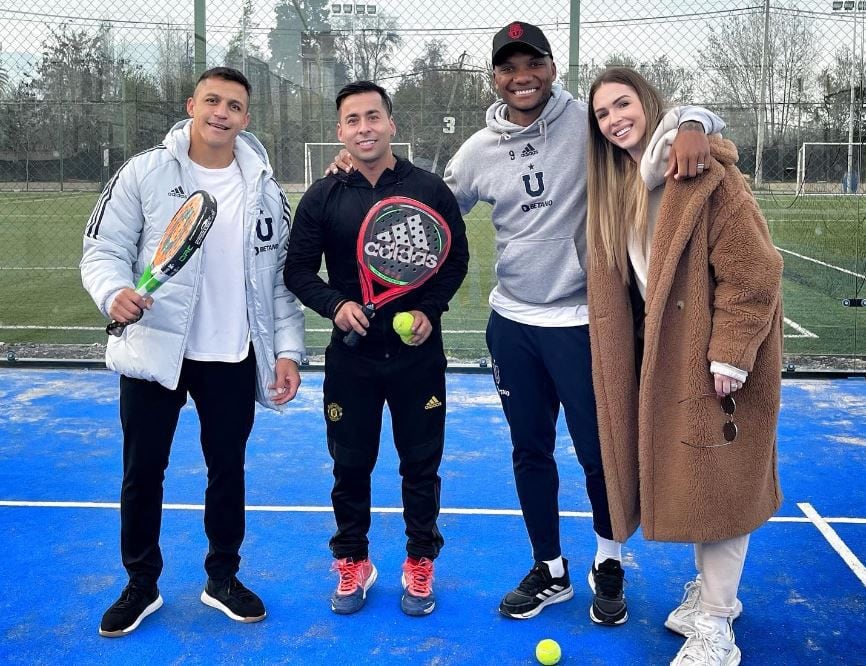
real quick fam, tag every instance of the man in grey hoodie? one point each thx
(530, 164)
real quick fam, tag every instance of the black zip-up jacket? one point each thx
(327, 221)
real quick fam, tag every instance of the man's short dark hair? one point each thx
(226, 74)
(358, 87)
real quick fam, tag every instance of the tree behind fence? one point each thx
(86, 84)
(73, 84)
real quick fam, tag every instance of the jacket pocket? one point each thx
(703, 423)
(541, 270)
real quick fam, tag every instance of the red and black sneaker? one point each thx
(417, 580)
(356, 577)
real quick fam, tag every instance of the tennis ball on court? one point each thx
(403, 325)
(548, 652)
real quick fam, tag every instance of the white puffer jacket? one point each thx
(123, 232)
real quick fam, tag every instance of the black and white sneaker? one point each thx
(124, 616)
(608, 600)
(232, 598)
(537, 590)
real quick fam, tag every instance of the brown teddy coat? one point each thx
(713, 294)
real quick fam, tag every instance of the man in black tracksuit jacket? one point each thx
(382, 368)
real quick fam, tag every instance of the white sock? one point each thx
(557, 568)
(607, 550)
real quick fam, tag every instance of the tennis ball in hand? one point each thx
(403, 325)
(548, 652)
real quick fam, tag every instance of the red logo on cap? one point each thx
(515, 31)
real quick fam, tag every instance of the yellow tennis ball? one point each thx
(548, 652)
(403, 324)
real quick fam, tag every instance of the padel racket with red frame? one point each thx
(184, 235)
(401, 244)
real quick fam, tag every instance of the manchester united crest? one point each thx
(335, 412)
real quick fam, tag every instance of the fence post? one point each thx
(762, 108)
(200, 9)
(62, 123)
(574, 49)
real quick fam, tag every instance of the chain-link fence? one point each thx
(87, 84)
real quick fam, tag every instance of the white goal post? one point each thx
(821, 166)
(319, 155)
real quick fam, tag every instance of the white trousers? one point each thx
(720, 567)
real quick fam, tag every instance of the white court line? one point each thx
(34, 327)
(61, 196)
(803, 333)
(821, 263)
(835, 541)
(275, 509)
(52, 328)
(448, 331)
(39, 268)
(387, 509)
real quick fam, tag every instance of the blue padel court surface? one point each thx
(804, 586)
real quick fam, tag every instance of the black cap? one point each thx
(519, 34)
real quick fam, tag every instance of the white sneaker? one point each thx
(709, 645)
(682, 618)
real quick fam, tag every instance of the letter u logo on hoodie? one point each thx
(539, 179)
(265, 235)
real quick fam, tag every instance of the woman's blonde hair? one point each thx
(617, 198)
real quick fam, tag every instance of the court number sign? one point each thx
(448, 124)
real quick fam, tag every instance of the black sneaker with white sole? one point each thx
(124, 616)
(608, 600)
(537, 590)
(231, 597)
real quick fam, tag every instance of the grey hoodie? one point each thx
(535, 179)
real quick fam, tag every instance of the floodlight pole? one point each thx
(352, 10)
(573, 82)
(199, 11)
(354, 43)
(852, 182)
(454, 83)
(762, 105)
(244, 40)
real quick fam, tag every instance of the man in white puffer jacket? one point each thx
(224, 331)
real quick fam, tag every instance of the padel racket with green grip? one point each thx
(182, 237)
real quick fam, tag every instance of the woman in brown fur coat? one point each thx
(685, 325)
